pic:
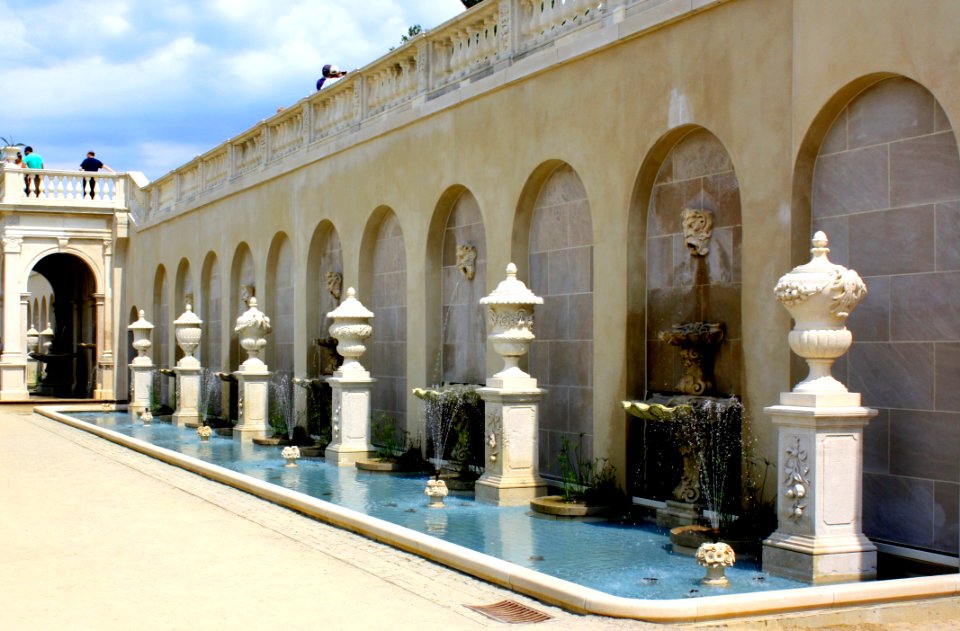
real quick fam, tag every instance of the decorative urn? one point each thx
(10, 154)
(146, 417)
(351, 327)
(436, 490)
(291, 455)
(716, 557)
(141, 339)
(511, 319)
(253, 326)
(204, 432)
(819, 296)
(33, 340)
(187, 330)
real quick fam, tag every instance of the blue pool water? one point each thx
(630, 561)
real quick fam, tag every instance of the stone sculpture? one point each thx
(467, 260)
(697, 229)
(334, 284)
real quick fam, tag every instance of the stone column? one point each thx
(511, 472)
(187, 331)
(253, 378)
(13, 360)
(105, 360)
(141, 368)
(820, 435)
(350, 384)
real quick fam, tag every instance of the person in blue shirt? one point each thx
(329, 72)
(32, 160)
(90, 163)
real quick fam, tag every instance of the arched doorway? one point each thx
(71, 360)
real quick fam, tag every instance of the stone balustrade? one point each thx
(479, 42)
(62, 188)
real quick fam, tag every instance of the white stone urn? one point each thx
(46, 339)
(511, 320)
(204, 432)
(437, 491)
(146, 417)
(33, 340)
(141, 339)
(819, 296)
(351, 327)
(253, 326)
(291, 455)
(10, 153)
(187, 330)
(716, 557)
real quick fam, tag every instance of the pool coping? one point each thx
(529, 582)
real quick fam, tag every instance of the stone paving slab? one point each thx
(96, 536)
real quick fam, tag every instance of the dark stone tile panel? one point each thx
(892, 375)
(925, 445)
(876, 444)
(548, 231)
(891, 110)
(946, 515)
(924, 170)
(728, 368)
(940, 120)
(893, 241)
(948, 376)
(579, 323)
(699, 153)
(553, 408)
(571, 364)
(551, 317)
(579, 224)
(661, 374)
(666, 203)
(721, 192)
(660, 261)
(580, 406)
(898, 509)
(570, 271)
(836, 139)
(722, 303)
(539, 359)
(667, 307)
(870, 321)
(852, 181)
(537, 278)
(925, 307)
(948, 236)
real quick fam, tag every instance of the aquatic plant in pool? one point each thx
(622, 560)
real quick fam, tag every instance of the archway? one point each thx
(70, 363)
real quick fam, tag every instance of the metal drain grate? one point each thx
(511, 612)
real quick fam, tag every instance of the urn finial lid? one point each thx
(188, 317)
(140, 325)
(350, 307)
(511, 291)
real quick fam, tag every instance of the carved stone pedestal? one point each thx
(511, 472)
(350, 418)
(819, 500)
(253, 409)
(188, 396)
(141, 382)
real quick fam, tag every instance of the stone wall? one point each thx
(387, 350)
(887, 193)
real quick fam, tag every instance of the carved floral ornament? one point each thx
(795, 478)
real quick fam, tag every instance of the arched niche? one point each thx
(278, 304)
(242, 288)
(383, 273)
(884, 184)
(455, 282)
(182, 295)
(555, 217)
(210, 310)
(160, 317)
(324, 291)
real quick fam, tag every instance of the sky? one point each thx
(150, 85)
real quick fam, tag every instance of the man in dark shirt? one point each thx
(90, 163)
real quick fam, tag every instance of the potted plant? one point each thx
(395, 450)
(589, 486)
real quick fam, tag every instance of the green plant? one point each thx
(389, 441)
(591, 482)
(278, 425)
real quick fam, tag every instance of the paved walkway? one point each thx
(94, 536)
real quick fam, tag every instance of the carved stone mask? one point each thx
(466, 260)
(334, 284)
(697, 230)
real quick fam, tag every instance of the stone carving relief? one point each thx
(697, 226)
(467, 260)
(12, 245)
(335, 284)
(796, 481)
(494, 428)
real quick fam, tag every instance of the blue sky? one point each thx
(149, 85)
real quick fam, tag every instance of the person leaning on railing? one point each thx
(90, 163)
(32, 160)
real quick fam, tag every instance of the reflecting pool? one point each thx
(623, 560)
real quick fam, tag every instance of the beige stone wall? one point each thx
(766, 78)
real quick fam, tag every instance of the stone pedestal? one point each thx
(141, 382)
(511, 472)
(819, 500)
(189, 382)
(350, 418)
(253, 409)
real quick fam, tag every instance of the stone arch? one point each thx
(383, 275)
(324, 293)
(92, 264)
(210, 310)
(278, 303)
(554, 231)
(182, 294)
(458, 353)
(242, 286)
(160, 317)
(884, 184)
